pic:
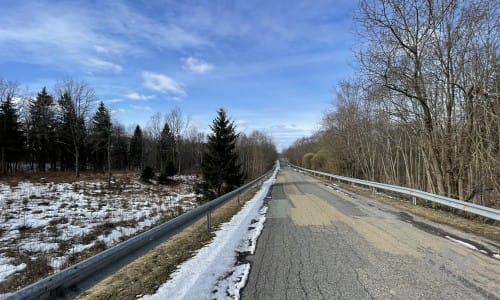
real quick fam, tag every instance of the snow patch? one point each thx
(470, 246)
(7, 269)
(213, 268)
(231, 285)
(44, 217)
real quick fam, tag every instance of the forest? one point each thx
(69, 130)
(423, 109)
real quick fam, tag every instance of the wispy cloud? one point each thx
(163, 83)
(114, 100)
(141, 107)
(93, 38)
(104, 65)
(138, 96)
(197, 65)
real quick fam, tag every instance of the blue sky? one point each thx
(272, 65)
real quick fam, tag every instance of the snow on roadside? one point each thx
(472, 247)
(236, 278)
(214, 270)
(467, 245)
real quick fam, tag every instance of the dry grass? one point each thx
(476, 226)
(62, 177)
(148, 273)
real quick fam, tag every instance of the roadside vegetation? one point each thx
(48, 225)
(145, 275)
(73, 182)
(424, 108)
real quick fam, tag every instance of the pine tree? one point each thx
(12, 140)
(101, 138)
(135, 149)
(41, 132)
(221, 172)
(167, 147)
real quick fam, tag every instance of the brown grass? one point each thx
(148, 273)
(475, 226)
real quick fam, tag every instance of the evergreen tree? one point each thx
(135, 149)
(71, 134)
(101, 138)
(167, 147)
(221, 172)
(41, 129)
(119, 147)
(75, 102)
(12, 140)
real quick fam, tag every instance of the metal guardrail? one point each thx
(415, 194)
(62, 283)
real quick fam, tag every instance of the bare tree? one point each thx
(178, 125)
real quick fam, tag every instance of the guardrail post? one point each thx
(238, 198)
(374, 190)
(414, 200)
(209, 219)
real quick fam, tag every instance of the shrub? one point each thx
(147, 173)
(170, 169)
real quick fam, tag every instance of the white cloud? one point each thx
(117, 111)
(197, 65)
(93, 37)
(114, 100)
(162, 83)
(141, 107)
(104, 65)
(137, 96)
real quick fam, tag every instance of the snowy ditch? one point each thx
(215, 271)
(51, 225)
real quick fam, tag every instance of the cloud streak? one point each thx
(138, 96)
(162, 83)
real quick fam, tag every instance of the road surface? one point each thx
(319, 243)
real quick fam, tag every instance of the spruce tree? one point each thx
(12, 140)
(42, 127)
(167, 147)
(135, 149)
(101, 138)
(220, 170)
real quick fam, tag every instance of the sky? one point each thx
(273, 65)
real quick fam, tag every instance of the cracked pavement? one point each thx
(320, 243)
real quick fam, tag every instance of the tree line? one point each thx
(70, 130)
(424, 108)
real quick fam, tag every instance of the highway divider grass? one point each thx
(146, 274)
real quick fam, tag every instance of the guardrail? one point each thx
(415, 194)
(70, 280)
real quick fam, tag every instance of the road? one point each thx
(319, 243)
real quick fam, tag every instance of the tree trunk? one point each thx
(109, 159)
(4, 169)
(77, 162)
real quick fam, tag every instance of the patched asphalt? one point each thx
(319, 243)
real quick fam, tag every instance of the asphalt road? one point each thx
(319, 243)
